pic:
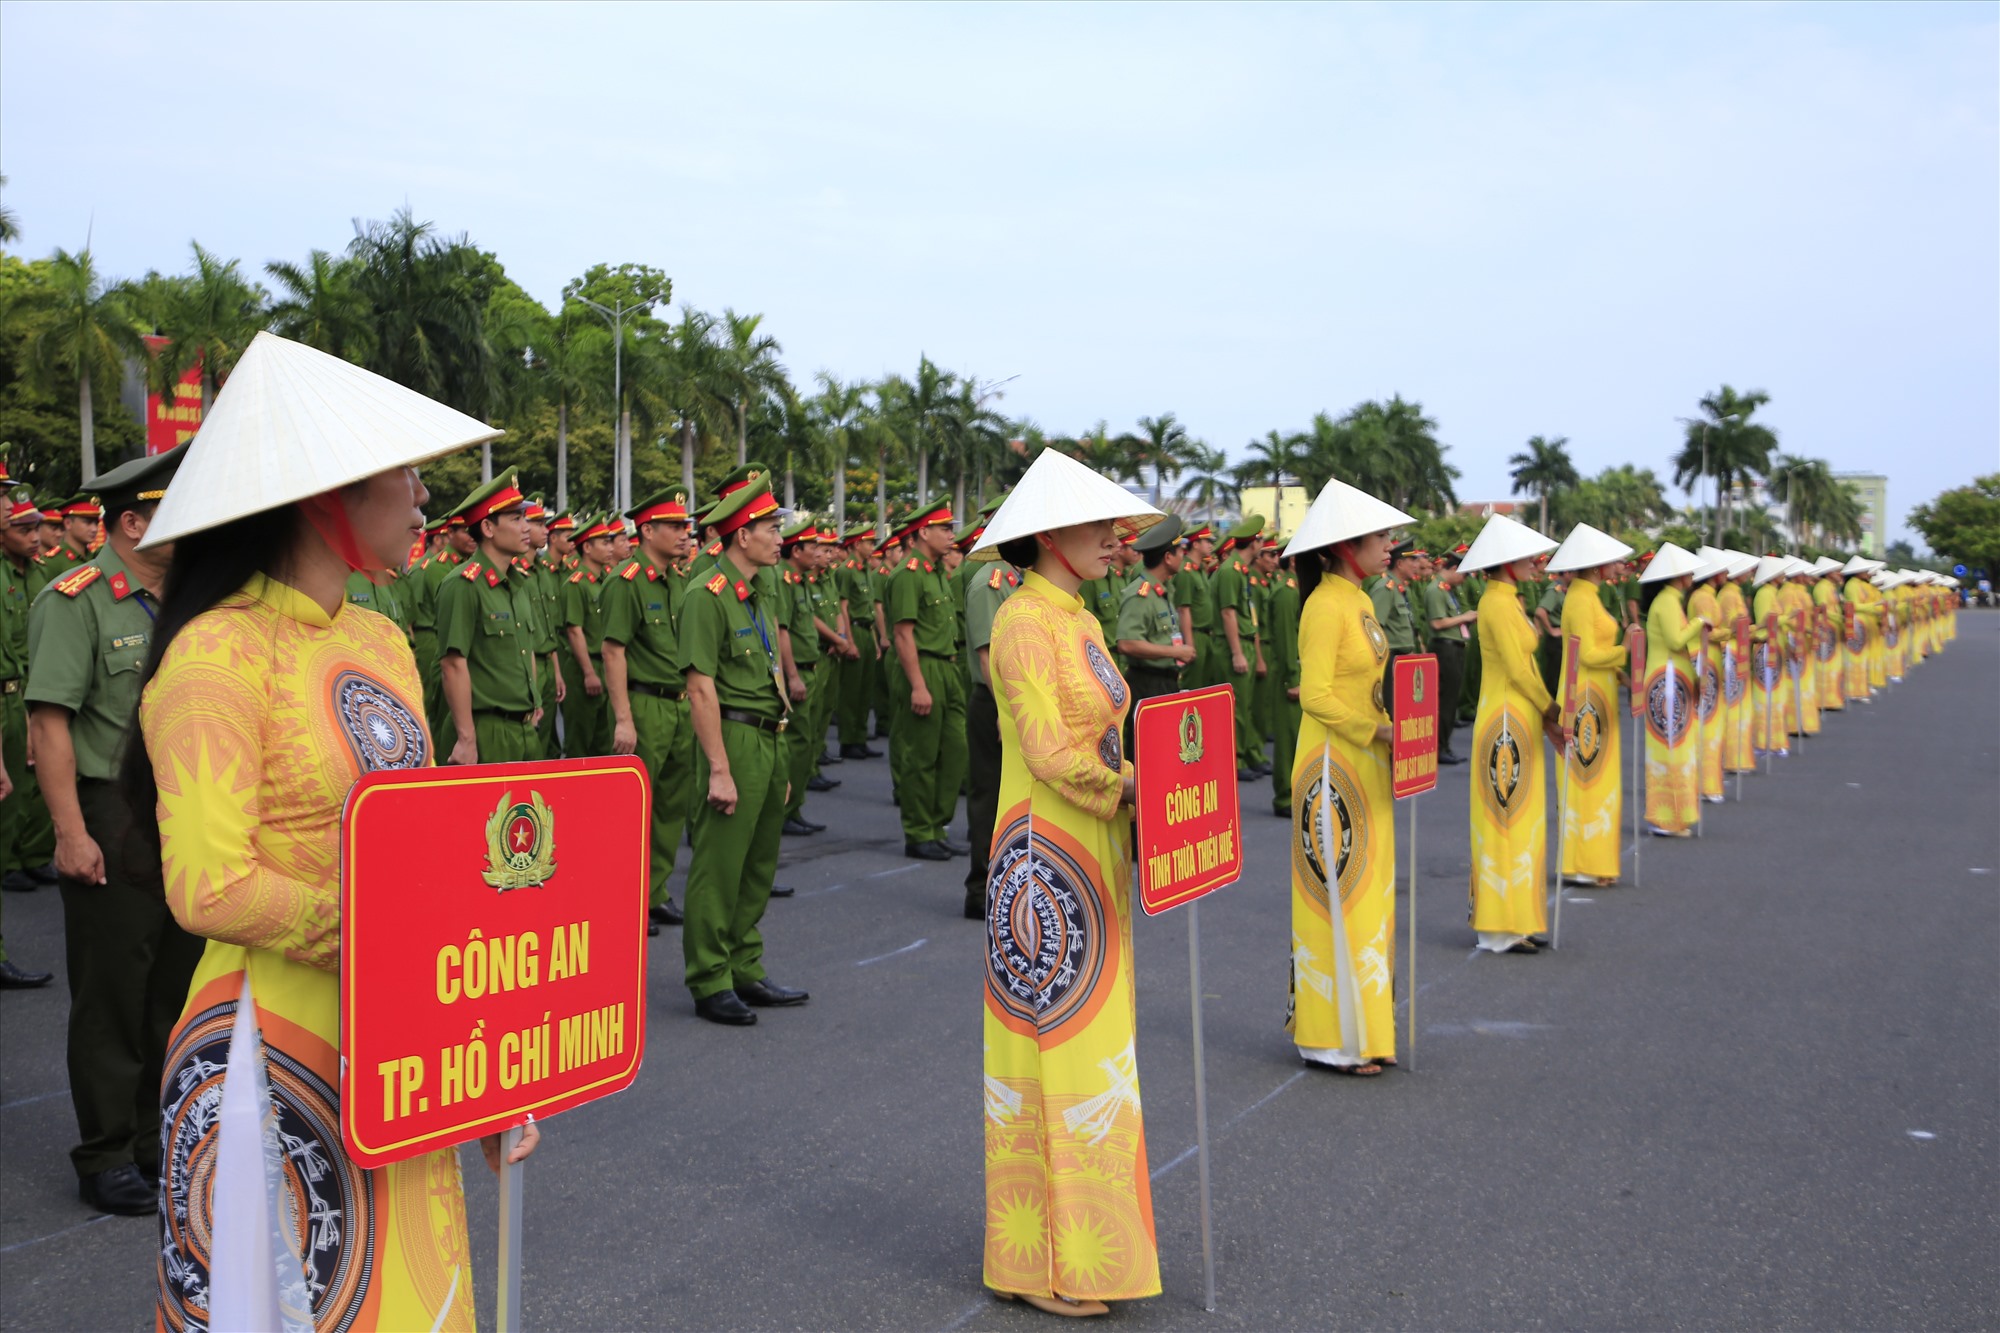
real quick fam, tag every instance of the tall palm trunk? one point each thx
(1159, 479)
(923, 474)
(86, 426)
(687, 455)
(791, 500)
(623, 481)
(562, 453)
(743, 436)
(486, 462)
(1545, 511)
(881, 491)
(958, 497)
(840, 490)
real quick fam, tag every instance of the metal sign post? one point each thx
(1410, 1018)
(1413, 750)
(508, 1318)
(1201, 1110)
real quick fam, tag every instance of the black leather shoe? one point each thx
(820, 782)
(926, 851)
(859, 752)
(768, 994)
(121, 1190)
(1247, 775)
(19, 881)
(798, 828)
(15, 978)
(150, 1173)
(667, 913)
(782, 890)
(975, 904)
(46, 873)
(812, 824)
(652, 929)
(723, 1007)
(828, 757)
(955, 848)
(1449, 758)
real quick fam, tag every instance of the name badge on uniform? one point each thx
(128, 641)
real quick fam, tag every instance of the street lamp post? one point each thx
(621, 449)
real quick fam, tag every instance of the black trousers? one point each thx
(982, 781)
(1147, 684)
(1389, 681)
(130, 964)
(1451, 678)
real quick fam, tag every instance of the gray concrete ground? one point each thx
(1760, 1091)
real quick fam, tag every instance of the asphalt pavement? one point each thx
(1759, 1089)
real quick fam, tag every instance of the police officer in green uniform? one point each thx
(995, 582)
(1392, 613)
(1548, 614)
(1281, 632)
(586, 716)
(738, 702)
(927, 721)
(487, 630)
(460, 544)
(1236, 645)
(19, 521)
(1194, 606)
(129, 962)
(643, 678)
(857, 680)
(547, 586)
(82, 516)
(1149, 632)
(1452, 622)
(806, 613)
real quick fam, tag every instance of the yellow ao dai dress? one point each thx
(1593, 794)
(1510, 822)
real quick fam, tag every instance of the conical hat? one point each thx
(1670, 562)
(1342, 513)
(292, 422)
(1058, 492)
(1826, 564)
(1860, 564)
(1770, 567)
(1714, 560)
(1503, 541)
(1587, 548)
(1801, 569)
(1740, 563)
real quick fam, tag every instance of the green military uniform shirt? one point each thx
(88, 635)
(1101, 598)
(1442, 603)
(920, 592)
(14, 603)
(729, 635)
(1392, 613)
(1229, 590)
(642, 606)
(546, 585)
(1191, 590)
(488, 617)
(805, 599)
(582, 608)
(983, 600)
(1146, 614)
(380, 598)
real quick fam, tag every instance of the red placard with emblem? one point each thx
(1413, 748)
(1636, 669)
(1190, 819)
(492, 948)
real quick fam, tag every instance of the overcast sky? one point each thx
(1570, 220)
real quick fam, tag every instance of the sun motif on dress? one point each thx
(1087, 1251)
(1019, 1228)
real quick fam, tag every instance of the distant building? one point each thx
(1872, 490)
(1514, 509)
(1283, 507)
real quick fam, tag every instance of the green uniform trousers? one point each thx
(666, 747)
(1201, 672)
(129, 967)
(1264, 696)
(927, 754)
(1284, 751)
(857, 687)
(1249, 740)
(545, 682)
(807, 734)
(734, 861)
(889, 687)
(503, 740)
(1451, 674)
(586, 721)
(1468, 694)
(27, 836)
(424, 647)
(982, 783)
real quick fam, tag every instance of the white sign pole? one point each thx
(1201, 1108)
(508, 1318)
(1411, 1018)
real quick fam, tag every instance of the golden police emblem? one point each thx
(520, 843)
(1191, 745)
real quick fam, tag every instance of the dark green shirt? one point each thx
(1191, 591)
(1392, 613)
(1229, 590)
(983, 599)
(1281, 631)
(1101, 598)
(1146, 614)
(14, 604)
(488, 616)
(88, 635)
(805, 598)
(380, 598)
(1442, 603)
(582, 608)
(728, 635)
(642, 611)
(920, 592)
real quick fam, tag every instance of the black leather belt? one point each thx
(936, 657)
(1157, 673)
(806, 666)
(742, 718)
(1446, 643)
(654, 691)
(503, 714)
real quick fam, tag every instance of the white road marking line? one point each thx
(1920, 1133)
(897, 870)
(24, 1244)
(30, 1101)
(893, 952)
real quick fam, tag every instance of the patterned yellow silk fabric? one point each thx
(1593, 800)
(1343, 968)
(1510, 823)
(1738, 755)
(1773, 711)
(1069, 1205)
(1672, 638)
(1705, 606)
(263, 714)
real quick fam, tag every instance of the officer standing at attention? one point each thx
(19, 543)
(486, 623)
(1194, 605)
(82, 516)
(927, 732)
(738, 702)
(129, 962)
(547, 585)
(1281, 634)
(805, 615)
(460, 543)
(1236, 649)
(1392, 613)
(995, 583)
(586, 718)
(1451, 622)
(1149, 632)
(857, 678)
(643, 602)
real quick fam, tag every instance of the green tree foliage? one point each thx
(1543, 468)
(1963, 524)
(39, 415)
(76, 336)
(1725, 445)
(1821, 509)
(1389, 450)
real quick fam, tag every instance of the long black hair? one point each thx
(207, 567)
(1649, 593)
(1310, 569)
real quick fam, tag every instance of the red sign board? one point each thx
(1413, 752)
(1190, 820)
(172, 421)
(493, 948)
(1636, 670)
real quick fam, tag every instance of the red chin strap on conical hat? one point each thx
(328, 517)
(1049, 545)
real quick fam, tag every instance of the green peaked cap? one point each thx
(1249, 526)
(135, 481)
(502, 481)
(1162, 534)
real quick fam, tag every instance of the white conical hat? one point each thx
(1501, 542)
(1771, 567)
(1861, 564)
(1670, 562)
(1342, 513)
(1714, 560)
(1740, 562)
(1826, 564)
(1800, 569)
(292, 422)
(1587, 548)
(1058, 492)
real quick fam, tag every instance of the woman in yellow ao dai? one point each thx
(1738, 754)
(1069, 1208)
(1668, 706)
(1771, 701)
(1593, 792)
(1707, 606)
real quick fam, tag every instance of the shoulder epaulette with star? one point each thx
(74, 582)
(470, 572)
(999, 577)
(576, 577)
(1145, 590)
(713, 548)
(913, 563)
(717, 584)
(630, 571)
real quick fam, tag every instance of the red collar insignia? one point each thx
(119, 586)
(742, 591)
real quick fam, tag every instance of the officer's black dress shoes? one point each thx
(667, 913)
(955, 848)
(799, 828)
(859, 752)
(768, 994)
(782, 890)
(723, 1007)
(926, 851)
(829, 757)
(819, 782)
(15, 978)
(975, 904)
(1447, 757)
(19, 881)
(1247, 775)
(121, 1190)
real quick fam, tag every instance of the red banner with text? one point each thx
(1190, 820)
(172, 420)
(493, 948)
(1413, 753)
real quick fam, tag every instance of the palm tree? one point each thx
(1114, 457)
(10, 226)
(1633, 497)
(1271, 460)
(317, 305)
(843, 420)
(685, 374)
(425, 319)
(1816, 502)
(1164, 447)
(211, 318)
(925, 404)
(1208, 482)
(892, 433)
(80, 332)
(1725, 444)
(566, 357)
(1543, 467)
(753, 363)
